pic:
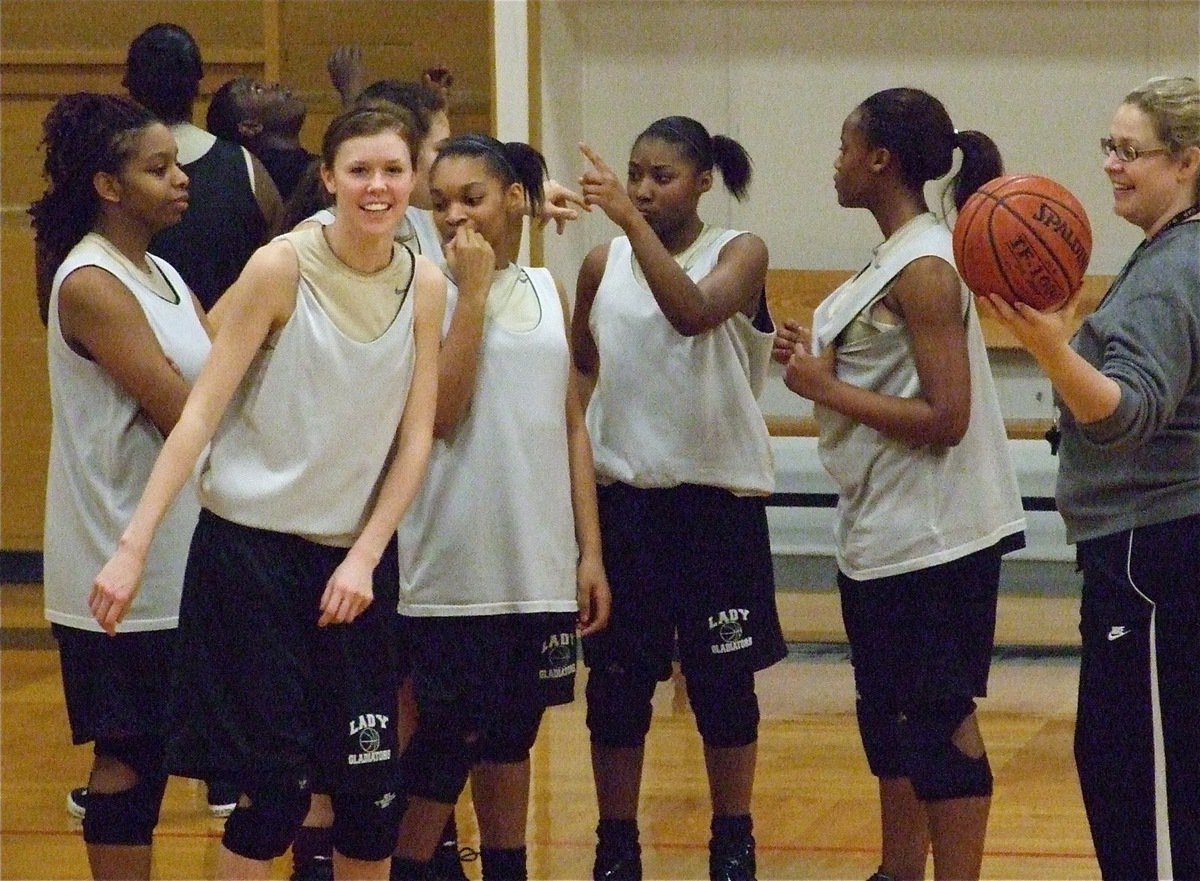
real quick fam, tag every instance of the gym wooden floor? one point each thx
(815, 805)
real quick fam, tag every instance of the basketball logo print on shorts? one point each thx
(727, 631)
(366, 739)
(558, 656)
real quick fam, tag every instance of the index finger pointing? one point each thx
(593, 157)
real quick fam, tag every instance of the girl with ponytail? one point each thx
(500, 561)
(671, 326)
(911, 430)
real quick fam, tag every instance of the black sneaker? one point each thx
(732, 860)
(881, 876)
(617, 863)
(77, 802)
(314, 869)
(223, 798)
(446, 864)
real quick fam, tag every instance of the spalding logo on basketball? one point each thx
(1023, 237)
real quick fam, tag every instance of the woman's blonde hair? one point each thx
(1173, 105)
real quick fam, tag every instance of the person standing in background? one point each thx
(266, 119)
(234, 203)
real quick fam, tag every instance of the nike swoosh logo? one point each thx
(1117, 633)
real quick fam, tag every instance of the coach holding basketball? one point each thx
(1128, 385)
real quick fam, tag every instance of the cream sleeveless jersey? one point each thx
(310, 430)
(492, 530)
(670, 409)
(903, 508)
(418, 231)
(102, 448)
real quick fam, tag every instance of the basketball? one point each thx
(1024, 238)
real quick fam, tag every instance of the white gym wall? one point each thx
(1042, 78)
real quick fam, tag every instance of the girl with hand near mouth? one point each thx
(500, 561)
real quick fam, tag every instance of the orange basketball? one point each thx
(1025, 238)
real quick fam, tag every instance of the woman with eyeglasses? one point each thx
(911, 431)
(1128, 385)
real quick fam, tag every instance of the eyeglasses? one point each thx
(1125, 152)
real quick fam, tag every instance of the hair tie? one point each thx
(687, 134)
(496, 147)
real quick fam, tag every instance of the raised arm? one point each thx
(261, 300)
(735, 284)
(471, 261)
(347, 71)
(557, 205)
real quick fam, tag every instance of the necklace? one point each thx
(1182, 217)
(323, 232)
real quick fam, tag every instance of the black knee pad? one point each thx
(618, 707)
(144, 755)
(127, 817)
(726, 710)
(510, 741)
(882, 739)
(365, 825)
(939, 770)
(951, 774)
(437, 760)
(265, 828)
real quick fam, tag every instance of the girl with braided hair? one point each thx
(126, 337)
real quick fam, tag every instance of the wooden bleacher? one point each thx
(793, 294)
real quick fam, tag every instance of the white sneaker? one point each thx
(222, 799)
(77, 802)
